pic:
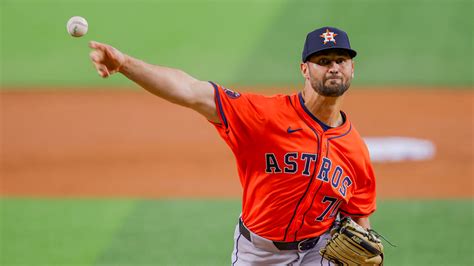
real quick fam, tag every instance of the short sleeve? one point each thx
(241, 115)
(362, 203)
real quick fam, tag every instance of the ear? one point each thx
(352, 68)
(304, 70)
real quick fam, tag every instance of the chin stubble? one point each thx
(330, 91)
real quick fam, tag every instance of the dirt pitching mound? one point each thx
(131, 144)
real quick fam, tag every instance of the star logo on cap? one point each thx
(328, 36)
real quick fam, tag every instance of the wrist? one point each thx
(125, 66)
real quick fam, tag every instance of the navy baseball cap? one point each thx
(324, 39)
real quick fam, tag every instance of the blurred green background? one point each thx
(248, 42)
(259, 42)
(199, 232)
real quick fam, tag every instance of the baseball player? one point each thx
(301, 162)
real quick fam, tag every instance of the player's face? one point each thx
(329, 73)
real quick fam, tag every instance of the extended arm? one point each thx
(173, 85)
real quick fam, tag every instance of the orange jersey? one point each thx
(295, 176)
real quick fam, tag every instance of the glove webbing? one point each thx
(361, 242)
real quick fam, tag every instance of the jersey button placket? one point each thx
(324, 148)
(308, 200)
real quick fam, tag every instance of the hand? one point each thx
(351, 244)
(106, 59)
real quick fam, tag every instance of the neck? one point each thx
(326, 109)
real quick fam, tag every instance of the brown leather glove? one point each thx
(350, 244)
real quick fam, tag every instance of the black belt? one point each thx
(301, 245)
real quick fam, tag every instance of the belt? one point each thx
(301, 245)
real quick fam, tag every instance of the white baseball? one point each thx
(77, 26)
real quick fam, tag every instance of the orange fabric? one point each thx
(295, 177)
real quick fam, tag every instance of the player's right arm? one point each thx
(171, 84)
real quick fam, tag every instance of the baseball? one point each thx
(77, 26)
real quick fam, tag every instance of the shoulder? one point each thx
(354, 136)
(255, 100)
(268, 100)
(249, 106)
(356, 147)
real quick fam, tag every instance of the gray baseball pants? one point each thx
(261, 251)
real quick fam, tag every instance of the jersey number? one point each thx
(333, 202)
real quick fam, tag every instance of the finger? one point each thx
(94, 44)
(96, 56)
(105, 73)
(110, 52)
(98, 45)
(102, 70)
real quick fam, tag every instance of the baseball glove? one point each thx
(350, 244)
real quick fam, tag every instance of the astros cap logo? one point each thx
(328, 36)
(314, 44)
